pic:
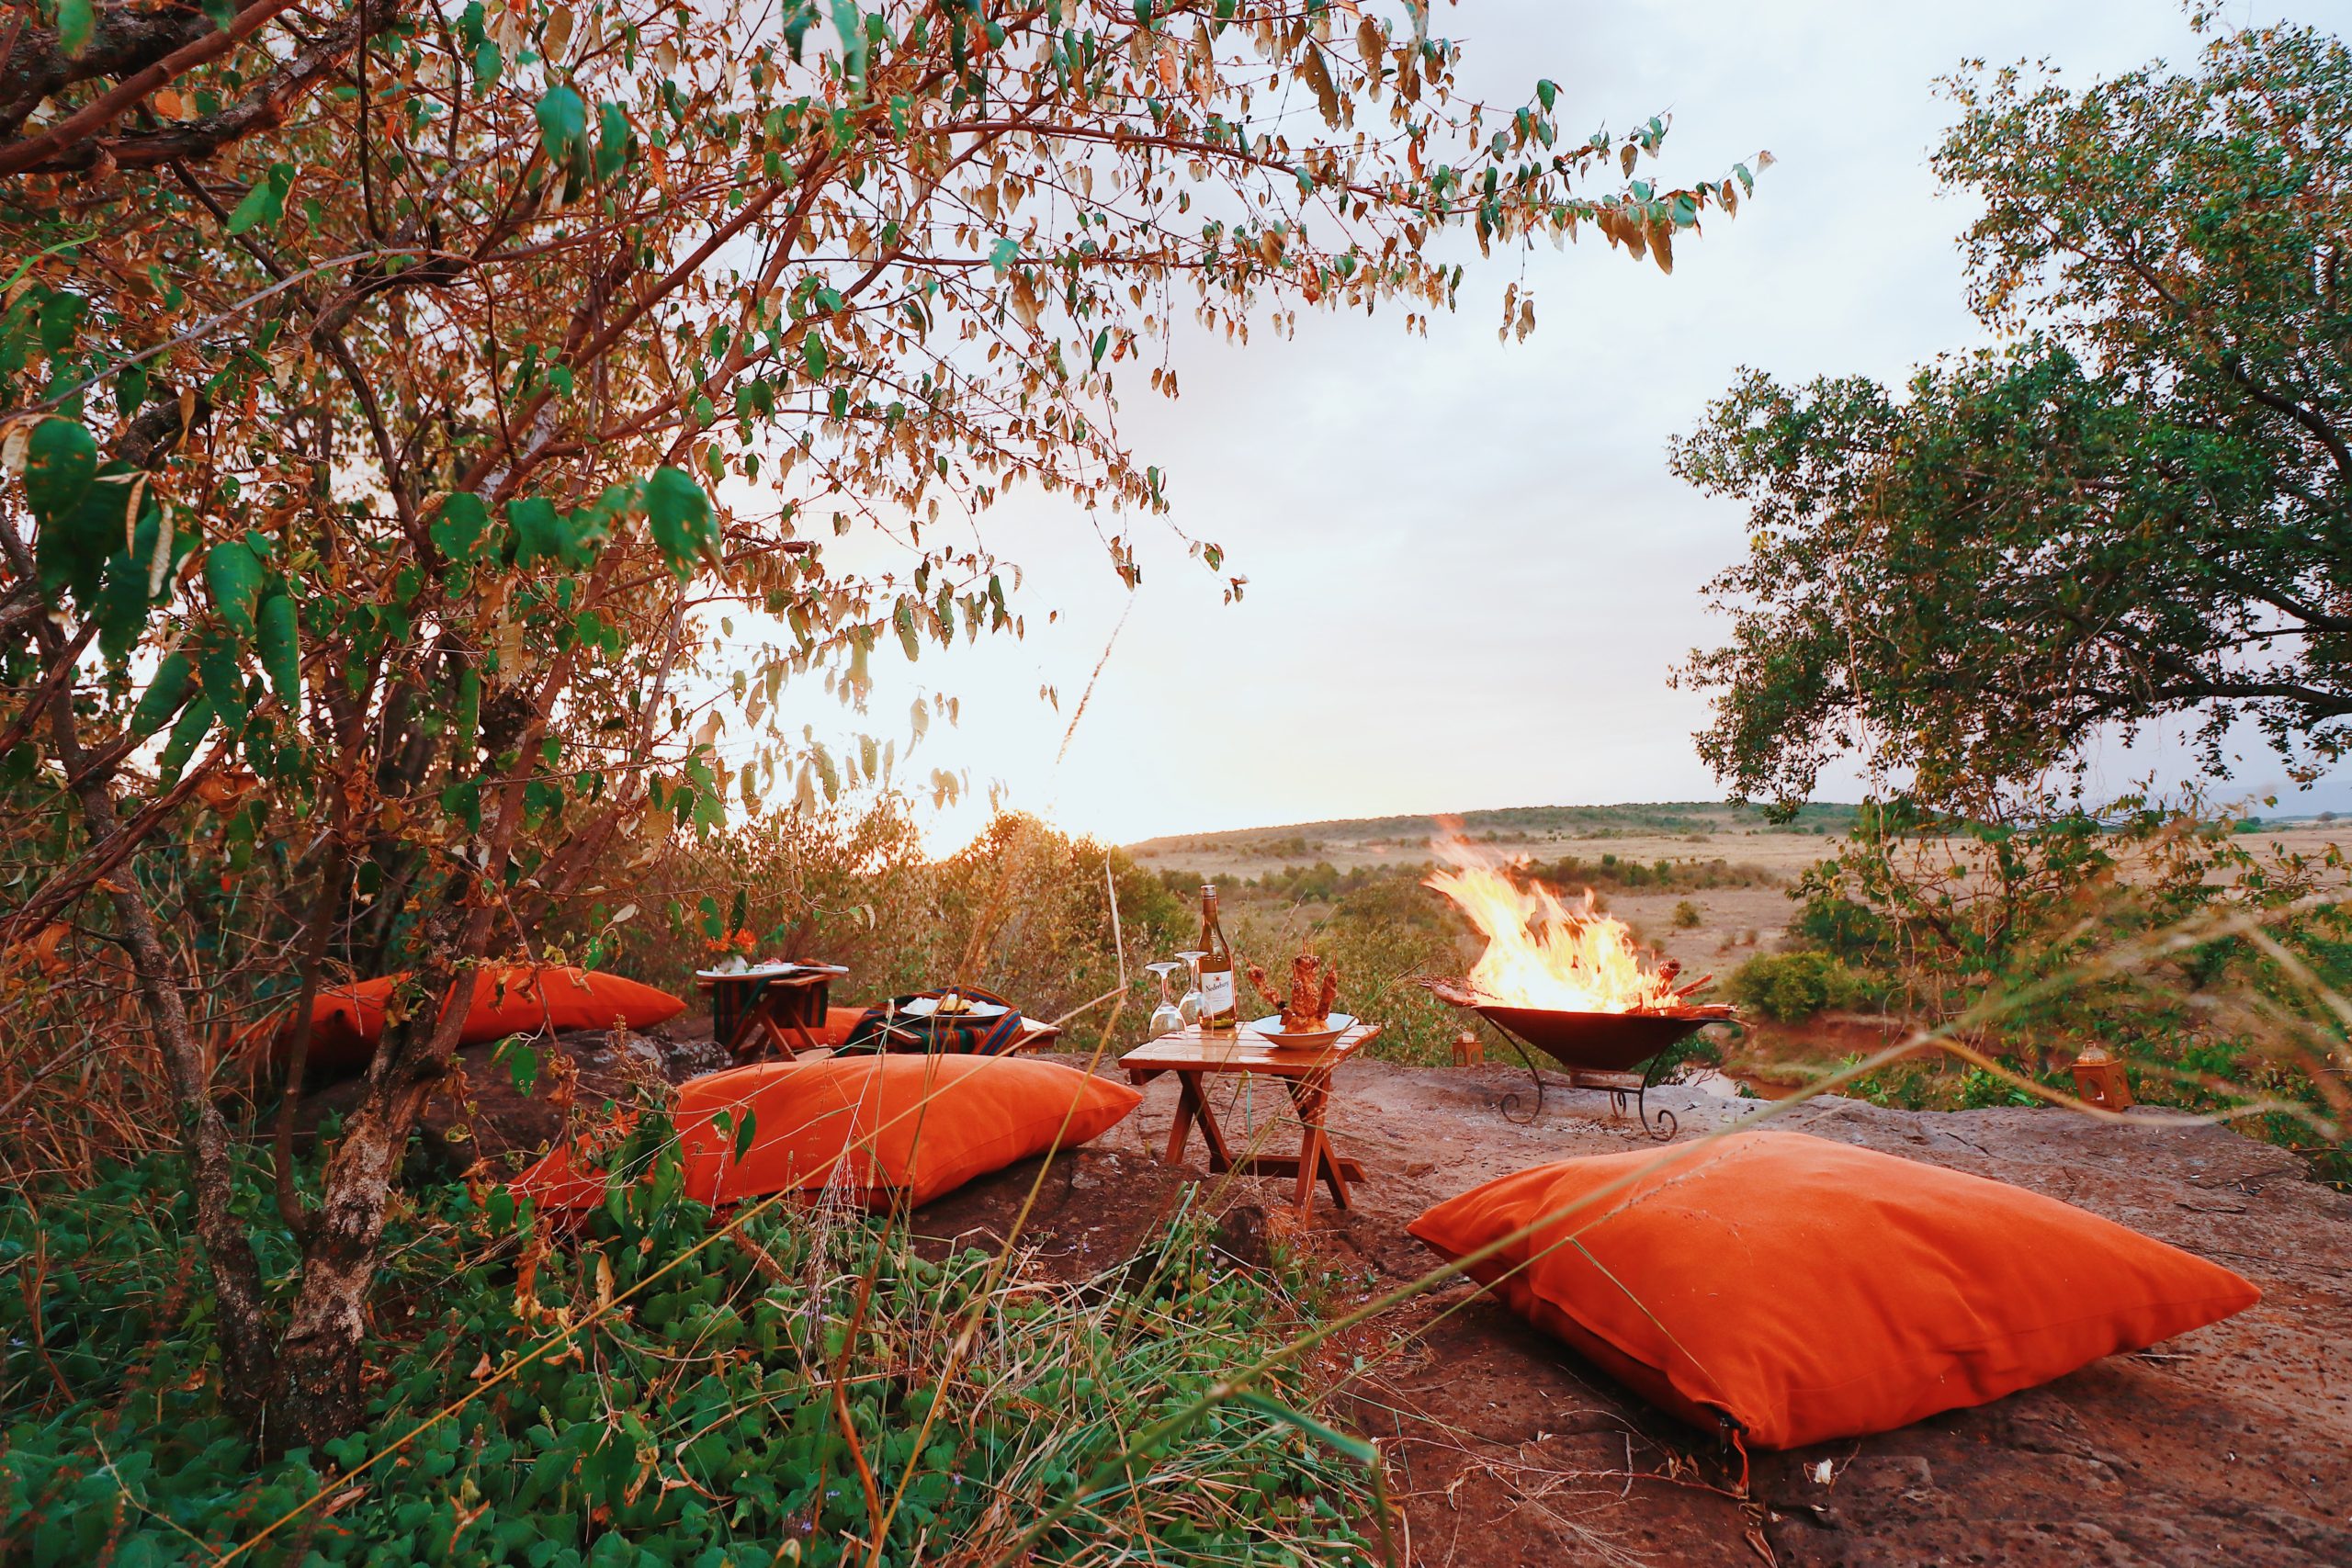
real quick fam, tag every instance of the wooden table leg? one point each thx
(1220, 1157)
(1315, 1156)
(1181, 1128)
(741, 1043)
(1193, 1106)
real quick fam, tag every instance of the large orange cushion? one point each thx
(877, 1126)
(1808, 1290)
(346, 1022)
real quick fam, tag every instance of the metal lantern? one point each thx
(1468, 1049)
(2099, 1080)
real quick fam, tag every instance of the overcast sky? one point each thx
(1469, 569)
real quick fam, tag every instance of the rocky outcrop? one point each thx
(506, 1101)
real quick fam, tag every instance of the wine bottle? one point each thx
(1217, 996)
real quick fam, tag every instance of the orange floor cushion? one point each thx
(1807, 1290)
(346, 1022)
(879, 1127)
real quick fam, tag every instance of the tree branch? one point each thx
(84, 123)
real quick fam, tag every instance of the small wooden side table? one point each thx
(779, 1007)
(1194, 1055)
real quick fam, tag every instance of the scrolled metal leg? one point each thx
(1506, 1103)
(1664, 1124)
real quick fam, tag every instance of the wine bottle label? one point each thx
(1216, 994)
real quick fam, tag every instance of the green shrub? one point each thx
(1687, 916)
(1789, 987)
(699, 1423)
(1841, 926)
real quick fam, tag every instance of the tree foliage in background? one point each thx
(2140, 508)
(1022, 910)
(2137, 510)
(406, 396)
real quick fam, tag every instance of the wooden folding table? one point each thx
(1194, 1055)
(781, 1006)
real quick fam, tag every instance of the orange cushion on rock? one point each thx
(1809, 1290)
(523, 998)
(346, 1022)
(879, 1126)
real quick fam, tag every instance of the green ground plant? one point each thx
(643, 1393)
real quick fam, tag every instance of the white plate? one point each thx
(771, 971)
(979, 1011)
(1339, 1023)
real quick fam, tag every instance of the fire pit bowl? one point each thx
(1624, 1052)
(1593, 1041)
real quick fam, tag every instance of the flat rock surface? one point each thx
(2231, 1445)
(481, 1112)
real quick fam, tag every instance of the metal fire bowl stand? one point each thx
(1623, 1053)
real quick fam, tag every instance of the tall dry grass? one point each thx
(1024, 909)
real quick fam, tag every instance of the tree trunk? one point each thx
(244, 1327)
(319, 1393)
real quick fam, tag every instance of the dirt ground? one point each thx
(2231, 1445)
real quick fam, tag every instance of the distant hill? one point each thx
(1380, 838)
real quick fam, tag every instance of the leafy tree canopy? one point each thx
(407, 392)
(2138, 508)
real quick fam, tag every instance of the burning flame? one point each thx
(1541, 951)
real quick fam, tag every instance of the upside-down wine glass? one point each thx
(1190, 1008)
(1166, 1018)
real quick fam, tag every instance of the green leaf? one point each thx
(456, 533)
(61, 318)
(60, 459)
(164, 697)
(73, 549)
(265, 202)
(462, 802)
(904, 619)
(76, 19)
(522, 1061)
(612, 141)
(563, 123)
(812, 354)
(234, 573)
(852, 29)
(680, 516)
(1003, 254)
(224, 683)
(279, 641)
(1355, 1449)
(539, 533)
(123, 600)
(469, 716)
(186, 735)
